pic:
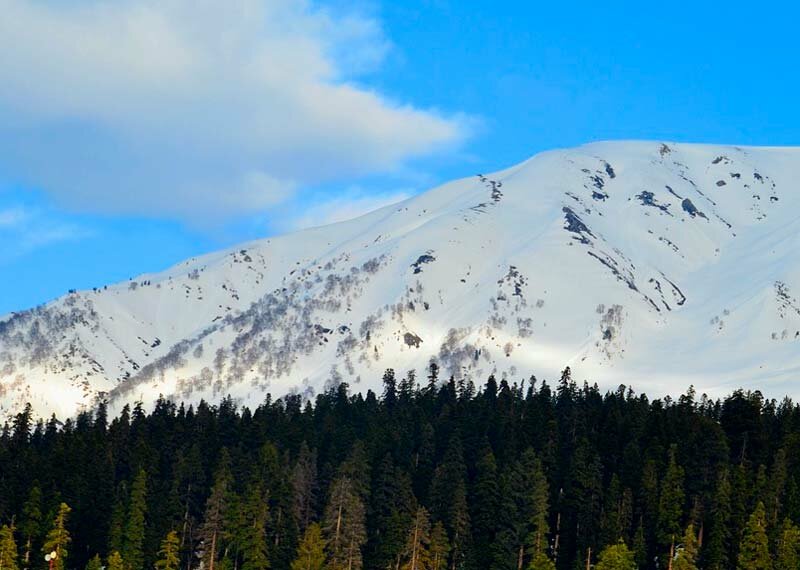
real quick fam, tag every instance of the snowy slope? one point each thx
(644, 263)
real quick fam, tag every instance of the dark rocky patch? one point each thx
(648, 199)
(576, 226)
(421, 260)
(412, 340)
(690, 209)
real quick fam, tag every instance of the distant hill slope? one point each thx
(657, 265)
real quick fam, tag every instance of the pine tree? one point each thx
(686, 555)
(616, 557)
(344, 526)
(417, 551)
(31, 523)
(119, 518)
(311, 551)
(788, 554)
(58, 538)
(253, 541)
(212, 531)
(537, 540)
(8, 548)
(719, 537)
(541, 561)
(448, 496)
(115, 561)
(133, 539)
(95, 563)
(304, 486)
(484, 514)
(440, 547)
(169, 554)
(670, 502)
(391, 516)
(754, 550)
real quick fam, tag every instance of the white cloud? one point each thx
(24, 229)
(352, 204)
(196, 109)
(11, 218)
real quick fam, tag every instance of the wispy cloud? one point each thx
(196, 109)
(351, 204)
(24, 229)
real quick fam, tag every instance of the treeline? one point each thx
(431, 475)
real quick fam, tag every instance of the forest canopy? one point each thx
(430, 475)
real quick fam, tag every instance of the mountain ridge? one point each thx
(638, 262)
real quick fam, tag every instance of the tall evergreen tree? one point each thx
(448, 497)
(486, 502)
(30, 526)
(304, 486)
(344, 526)
(788, 552)
(311, 551)
(253, 542)
(115, 561)
(95, 563)
(440, 547)
(686, 555)
(417, 551)
(213, 528)
(670, 502)
(541, 561)
(58, 538)
(754, 550)
(616, 557)
(8, 548)
(133, 540)
(537, 539)
(719, 537)
(169, 553)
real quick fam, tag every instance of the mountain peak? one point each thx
(653, 264)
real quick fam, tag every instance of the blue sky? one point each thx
(135, 134)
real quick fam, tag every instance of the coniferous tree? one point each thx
(448, 497)
(169, 554)
(754, 550)
(8, 548)
(670, 503)
(213, 528)
(58, 538)
(304, 486)
(133, 540)
(253, 541)
(115, 561)
(541, 561)
(119, 519)
(344, 526)
(616, 557)
(30, 526)
(788, 551)
(95, 563)
(686, 555)
(440, 547)
(391, 515)
(640, 546)
(417, 550)
(486, 502)
(311, 550)
(719, 538)
(537, 540)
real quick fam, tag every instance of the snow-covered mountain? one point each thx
(653, 264)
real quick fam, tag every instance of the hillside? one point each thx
(653, 264)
